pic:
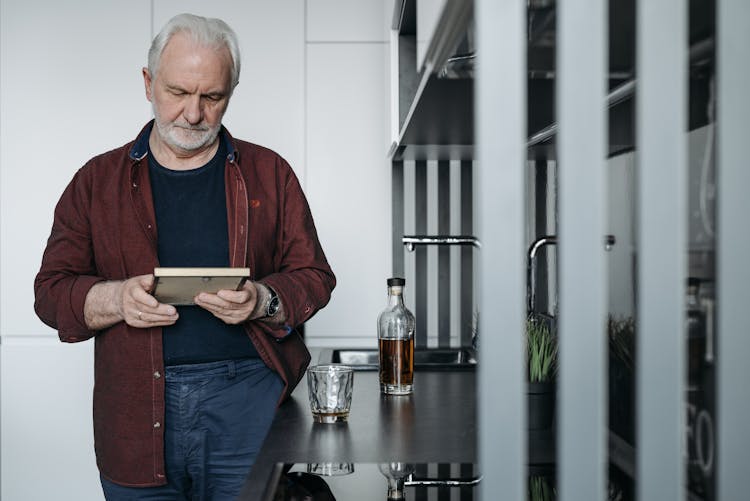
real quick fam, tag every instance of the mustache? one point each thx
(199, 128)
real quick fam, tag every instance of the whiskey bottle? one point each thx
(396, 342)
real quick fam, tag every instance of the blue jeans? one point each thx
(217, 415)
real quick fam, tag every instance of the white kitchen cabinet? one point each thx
(70, 88)
(47, 431)
(348, 20)
(349, 184)
(348, 176)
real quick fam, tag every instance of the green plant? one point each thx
(540, 489)
(541, 351)
(621, 333)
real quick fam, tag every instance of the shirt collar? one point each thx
(140, 146)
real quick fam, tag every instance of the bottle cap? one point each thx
(396, 281)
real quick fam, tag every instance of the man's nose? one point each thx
(193, 111)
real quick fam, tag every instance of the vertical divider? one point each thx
(444, 254)
(733, 248)
(540, 229)
(500, 114)
(661, 142)
(397, 217)
(467, 253)
(420, 217)
(581, 140)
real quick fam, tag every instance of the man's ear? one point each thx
(147, 82)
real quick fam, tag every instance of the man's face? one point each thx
(189, 94)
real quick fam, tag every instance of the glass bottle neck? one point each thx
(395, 295)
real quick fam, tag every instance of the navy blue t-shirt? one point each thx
(191, 219)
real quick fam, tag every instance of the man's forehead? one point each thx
(182, 44)
(186, 62)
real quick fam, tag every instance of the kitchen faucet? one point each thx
(410, 241)
(609, 241)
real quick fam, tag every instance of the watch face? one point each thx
(273, 306)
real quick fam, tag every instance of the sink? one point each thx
(366, 359)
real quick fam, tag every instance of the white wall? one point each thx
(313, 87)
(348, 185)
(69, 87)
(621, 223)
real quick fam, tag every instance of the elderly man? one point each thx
(184, 395)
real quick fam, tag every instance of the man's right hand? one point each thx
(127, 300)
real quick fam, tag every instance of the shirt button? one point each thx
(157, 424)
(157, 375)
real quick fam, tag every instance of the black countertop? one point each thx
(437, 424)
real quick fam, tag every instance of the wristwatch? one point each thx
(274, 303)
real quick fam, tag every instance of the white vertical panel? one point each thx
(455, 254)
(70, 88)
(582, 136)
(620, 171)
(394, 125)
(733, 412)
(348, 21)
(661, 122)
(551, 259)
(410, 225)
(47, 432)
(432, 255)
(349, 184)
(500, 109)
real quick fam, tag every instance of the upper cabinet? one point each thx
(433, 92)
(433, 61)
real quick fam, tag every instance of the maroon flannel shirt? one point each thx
(105, 229)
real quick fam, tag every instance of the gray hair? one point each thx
(207, 32)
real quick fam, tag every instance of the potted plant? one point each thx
(541, 488)
(621, 333)
(541, 362)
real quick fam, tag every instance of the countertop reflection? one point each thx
(369, 482)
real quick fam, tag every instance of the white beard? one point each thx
(184, 136)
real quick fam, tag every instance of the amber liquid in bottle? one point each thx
(397, 365)
(396, 328)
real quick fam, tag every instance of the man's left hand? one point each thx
(232, 307)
